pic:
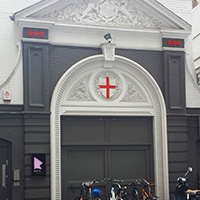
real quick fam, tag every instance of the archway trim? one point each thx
(157, 109)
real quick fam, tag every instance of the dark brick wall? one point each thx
(152, 61)
(12, 130)
(184, 148)
(51, 62)
(62, 58)
(37, 140)
(177, 148)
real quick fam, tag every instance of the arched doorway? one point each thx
(85, 90)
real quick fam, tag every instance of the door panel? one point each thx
(81, 164)
(130, 131)
(130, 163)
(4, 171)
(85, 164)
(116, 148)
(79, 130)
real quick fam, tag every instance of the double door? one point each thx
(105, 147)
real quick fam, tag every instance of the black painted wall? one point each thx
(44, 64)
(12, 131)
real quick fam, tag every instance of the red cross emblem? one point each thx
(107, 87)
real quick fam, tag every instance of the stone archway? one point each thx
(77, 93)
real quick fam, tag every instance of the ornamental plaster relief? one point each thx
(134, 94)
(106, 86)
(80, 92)
(114, 13)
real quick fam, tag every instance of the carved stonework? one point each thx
(79, 92)
(133, 94)
(109, 51)
(107, 86)
(123, 13)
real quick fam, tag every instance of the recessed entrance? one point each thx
(137, 96)
(98, 147)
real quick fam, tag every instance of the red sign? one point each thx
(37, 33)
(173, 42)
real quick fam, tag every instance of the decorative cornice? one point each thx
(130, 22)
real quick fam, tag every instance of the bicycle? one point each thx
(87, 193)
(134, 188)
(147, 191)
(139, 189)
(117, 191)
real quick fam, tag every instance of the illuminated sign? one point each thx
(38, 165)
(37, 33)
(172, 42)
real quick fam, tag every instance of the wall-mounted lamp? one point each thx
(108, 37)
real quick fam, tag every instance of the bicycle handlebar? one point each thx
(145, 181)
(90, 183)
(114, 182)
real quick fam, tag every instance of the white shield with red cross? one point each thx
(107, 86)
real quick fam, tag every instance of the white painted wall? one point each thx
(196, 37)
(182, 8)
(193, 61)
(10, 66)
(8, 54)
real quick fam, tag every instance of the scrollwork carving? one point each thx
(104, 12)
(79, 92)
(133, 94)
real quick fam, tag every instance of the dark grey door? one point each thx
(99, 147)
(4, 170)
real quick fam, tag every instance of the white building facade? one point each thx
(67, 92)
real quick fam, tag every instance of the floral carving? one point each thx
(133, 94)
(104, 12)
(79, 93)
